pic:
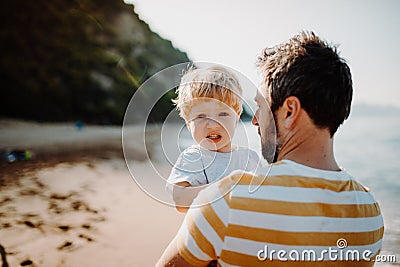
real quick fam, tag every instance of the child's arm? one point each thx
(184, 194)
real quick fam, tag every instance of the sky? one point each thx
(233, 33)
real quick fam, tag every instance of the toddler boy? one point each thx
(209, 100)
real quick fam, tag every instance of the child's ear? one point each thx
(237, 118)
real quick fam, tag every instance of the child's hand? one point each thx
(183, 196)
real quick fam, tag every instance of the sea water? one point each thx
(368, 147)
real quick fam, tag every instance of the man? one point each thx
(305, 210)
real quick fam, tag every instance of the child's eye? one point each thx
(201, 116)
(224, 114)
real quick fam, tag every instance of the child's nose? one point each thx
(212, 123)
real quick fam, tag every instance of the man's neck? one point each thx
(310, 147)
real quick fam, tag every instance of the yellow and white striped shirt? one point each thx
(286, 215)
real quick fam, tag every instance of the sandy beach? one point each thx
(75, 203)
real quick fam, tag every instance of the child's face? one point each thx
(212, 124)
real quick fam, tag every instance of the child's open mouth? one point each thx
(215, 138)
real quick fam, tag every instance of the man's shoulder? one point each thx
(275, 173)
(291, 168)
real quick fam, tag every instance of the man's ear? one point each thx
(291, 107)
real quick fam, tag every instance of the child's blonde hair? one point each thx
(212, 82)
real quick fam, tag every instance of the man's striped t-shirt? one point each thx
(285, 215)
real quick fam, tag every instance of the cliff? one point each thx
(76, 60)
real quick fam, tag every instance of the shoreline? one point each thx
(53, 143)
